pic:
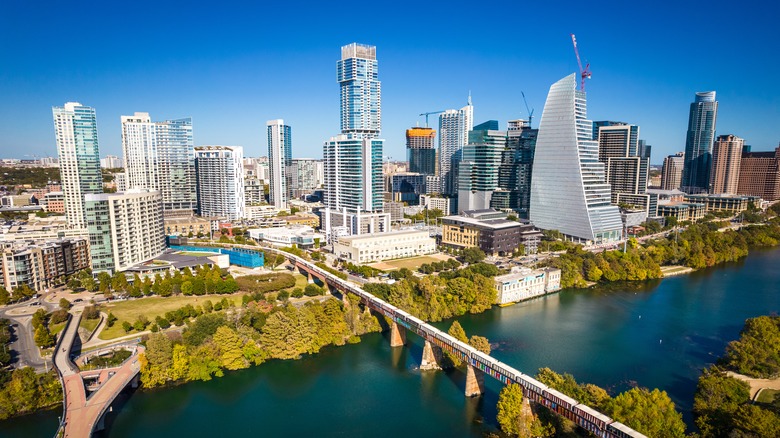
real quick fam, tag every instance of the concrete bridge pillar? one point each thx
(397, 335)
(475, 382)
(309, 277)
(431, 357)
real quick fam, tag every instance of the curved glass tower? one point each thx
(569, 192)
(698, 144)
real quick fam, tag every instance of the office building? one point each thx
(627, 164)
(524, 284)
(682, 211)
(436, 203)
(75, 128)
(220, 181)
(111, 162)
(477, 175)
(490, 231)
(406, 187)
(159, 156)
(759, 175)
(454, 127)
(729, 203)
(726, 160)
(279, 157)
(671, 172)
(698, 143)
(369, 248)
(300, 236)
(421, 151)
(41, 264)
(515, 170)
(124, 228)
(305, 175)
(567, 173)
(353, 159)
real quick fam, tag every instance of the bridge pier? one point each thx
(309, 278)
(431, 357)
(475, 382)
(397, 335)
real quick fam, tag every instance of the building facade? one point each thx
(42, 264)
(75, 128)
(489, 230)
(421, 151)
(371, 248)
(160, 156)
(305, 175)
(124, 228)
(698, 143)
(360, 91)
(671, 172)
(220, 181)
(726, 160)
(759, 175)
(627, 166)
(454, 127)
(525, 284)
(567, 172)
(477, 171)
(279, 158)
(729, 203)
(436, 203)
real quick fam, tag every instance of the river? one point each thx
(652, 334)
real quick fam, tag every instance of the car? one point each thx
(35, 303)
(78, 300)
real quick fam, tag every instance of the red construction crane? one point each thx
(584, 72)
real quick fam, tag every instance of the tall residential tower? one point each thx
(454, 127)
(420, 150)
(569, 191)
(726, 160)
(279, 158)
(75, 127)
(698, 144)
(220, 181)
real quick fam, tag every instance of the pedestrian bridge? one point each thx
(83, 412)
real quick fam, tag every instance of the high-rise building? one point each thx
(279, 157)
(454, 127)
(420, 150)
(305, 175)
(111, 162)
(220, 177)
(759, 175)
(567, 173)
(516, 169)
(160, 156)
(124, 228)
(726, 159)
(477, 175)
(698, 144)
(671, 172)
(75, 128)
(627, 167)
(353, 159)
(361, 91)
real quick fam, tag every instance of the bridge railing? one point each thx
(57, 347)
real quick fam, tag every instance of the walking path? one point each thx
(756, 385)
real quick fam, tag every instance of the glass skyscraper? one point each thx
(478, 170)
(160, 156)
(420, 150)
(279, 158)
(698, 144)
(361, 95)
(454, 127)
(569, 192)
(75, 128)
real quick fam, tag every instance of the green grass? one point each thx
(56, 328)
(89, 324)
(767, 396)
(300, 281)
(152, 307)
(412, 263)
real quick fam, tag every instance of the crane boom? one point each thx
(584, 72)
(530, 111)
(429, 113)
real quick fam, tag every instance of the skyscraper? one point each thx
(514, 174)
(477, 173)
(305, 175)
(220, 176)
(420, 150)
(698, 144)
(671, 172)
(353, 159)
(726, 160)
(454, 127)
(279, 157)
(619, 150)
(759, 174)
(569, 192)
(160, 156)
(75, 128)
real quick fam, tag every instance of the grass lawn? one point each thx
(89, 324)
(56, 328)
(300, 281)
(412, 263)
(153, 307)
(767, 396)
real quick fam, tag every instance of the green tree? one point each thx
(513, 419)
(649, 412)
(157, 360)
(717, 399)
(5, 296)
(457, 332)
(480, 343)
(65, 304)
(231, 348)
(473, 255)
(126, 326)
(43, 337)
(757, 352)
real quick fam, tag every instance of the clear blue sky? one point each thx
(232, 66)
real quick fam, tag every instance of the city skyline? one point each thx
(221, 80)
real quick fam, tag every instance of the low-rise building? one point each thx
(257, 212)
(682, 211)
(308, 219)
(436, 203)
(730, 203)
(368, 248)
(175, 261)
(183, 226)
(41, 264)
(490, 231)
(302, 236)
(524, 284)
(54, 202)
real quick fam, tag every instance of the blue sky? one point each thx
(232, 66)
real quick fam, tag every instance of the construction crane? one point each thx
(530, 111)
(584, 72)
(428, 114)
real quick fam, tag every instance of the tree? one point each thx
(111, 319)
(757, 352)
(126, 326)
(157, 360)
(43, 337)
(473, 255)
(457, 332)
(230, 348)
(65, 304)
(480, 343)
(104, 281)
(649, 412)
(5, 296)
(512, 417)
(717, 399)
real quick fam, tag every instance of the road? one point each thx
(24, 351)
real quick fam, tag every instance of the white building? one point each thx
(120, 179)
(436, 203)
(376, 247)
(524, 284)
(111, 162)
(124, 228)
(75, 128)
(569, 190)
(301, 236)
(220, 176)
(454, 127)
(279, 158)
(305, 175)
(159, 156)
(256, 212)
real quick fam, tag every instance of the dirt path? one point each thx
(756, 384)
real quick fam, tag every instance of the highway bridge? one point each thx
(84, 410)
